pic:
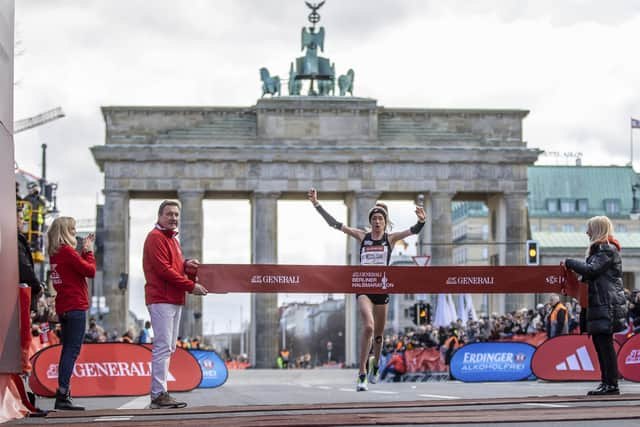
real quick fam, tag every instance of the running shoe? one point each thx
(361, 384)
(372, 370)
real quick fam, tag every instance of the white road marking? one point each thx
(438, 396)
(139, 402)
(346, 389)
(547, 405)
(384, 392)
(324, 387)
(122, 418)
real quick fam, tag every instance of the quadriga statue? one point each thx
(345, 83)
(270, 85)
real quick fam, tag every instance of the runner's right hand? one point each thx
(312, 195)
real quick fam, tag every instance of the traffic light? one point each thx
(415, 314)
(421, 313)
(533, 254)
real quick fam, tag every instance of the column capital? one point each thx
(115, 192)
(442, 195)
(267, 194)
(191, 193)
(516, 195)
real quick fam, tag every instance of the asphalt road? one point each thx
(247, 389)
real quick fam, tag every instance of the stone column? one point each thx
(191, 234)
(441, 229)
(358, 206)
(497, 236)
(516, 226)
(264, 306)
(116, 258)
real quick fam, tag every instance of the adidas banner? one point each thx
(629, 359)
(492, 361)
(214, 371)
(567, 358)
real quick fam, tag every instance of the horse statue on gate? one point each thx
(345, 83)
(326, 87)
(270, 85)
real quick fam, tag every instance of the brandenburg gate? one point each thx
(349, 148)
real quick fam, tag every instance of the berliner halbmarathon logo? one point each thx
(275, 279)
(370, 280)
(470, 280)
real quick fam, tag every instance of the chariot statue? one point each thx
(319, 71)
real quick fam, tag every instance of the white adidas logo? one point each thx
(579, 361)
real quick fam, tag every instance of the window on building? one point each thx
(534, 227)
(485, 252)
(568, 228)
(552, 228)
(621, 228)
(552, 205)
(612, 206)
(583, 205)
(485, 231)
(567, 206)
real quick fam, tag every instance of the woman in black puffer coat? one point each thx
(607, 310)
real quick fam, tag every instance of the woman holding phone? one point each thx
(69, 270)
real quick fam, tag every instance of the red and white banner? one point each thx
(629, 359)
(567, 358)
(112, 369)
(223, 278)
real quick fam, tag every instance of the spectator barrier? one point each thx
(533, 339)
(112, 369)
(234, 364)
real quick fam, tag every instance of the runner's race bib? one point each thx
(373, 255)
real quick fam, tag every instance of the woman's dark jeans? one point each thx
(607, 358)
(73, 326)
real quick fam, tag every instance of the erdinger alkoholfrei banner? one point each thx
(629, 359)
(567, 358)
(222, 278)
(112, 369)
(214, 371)
(492, 361)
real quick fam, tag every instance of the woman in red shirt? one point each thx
(69, 271)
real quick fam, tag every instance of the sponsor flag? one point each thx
(635, 123)
(440, 319)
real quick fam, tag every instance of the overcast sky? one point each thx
(573, 63)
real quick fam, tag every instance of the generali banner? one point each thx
(567, 358)
(112, 369)
(222, 278)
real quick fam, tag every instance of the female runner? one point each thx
(375, 249)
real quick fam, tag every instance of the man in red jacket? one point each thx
(168, 278)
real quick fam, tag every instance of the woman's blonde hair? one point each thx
(601, 228)
(60, 234)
